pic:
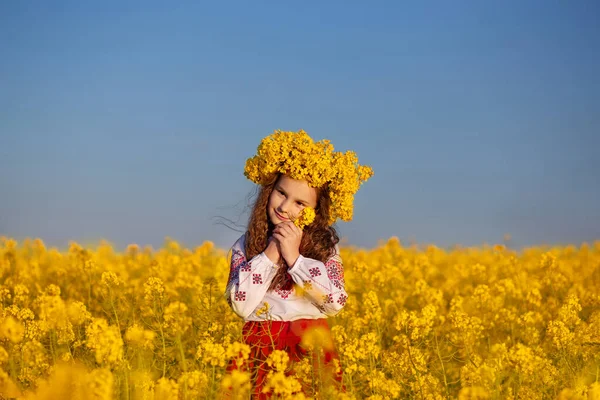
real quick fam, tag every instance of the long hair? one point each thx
(318, 239)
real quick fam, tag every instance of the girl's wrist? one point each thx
(291, 260)
(272, 252)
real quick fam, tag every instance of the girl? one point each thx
(285, 281)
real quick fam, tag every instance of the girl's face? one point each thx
(288, 198)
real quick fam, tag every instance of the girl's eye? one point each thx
(300, 204)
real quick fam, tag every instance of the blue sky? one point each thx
(131, 121)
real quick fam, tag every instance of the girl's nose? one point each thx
(283, 207)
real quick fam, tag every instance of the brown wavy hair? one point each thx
(318, 240)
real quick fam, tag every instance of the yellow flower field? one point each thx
(420, 323)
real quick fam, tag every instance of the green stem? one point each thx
(437, 348)
(414, 365)
(312, 371)
(12, 366)
(126, 384)
(416, 371)
(162, 335)
(181, 353)
(52, 334)
(164, 345)
(320, 370)
(112, 304)
(89, 304)
(351, 383)
(371, 371)
(213, 379)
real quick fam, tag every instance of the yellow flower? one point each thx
(281, 385)
(35, 359)
(594, 391)
(568, 313)
(372, 307)
(100, 383)
(53, 312)
(109, 279)
(8, 387)
(237, 383)
(317, 338)
(473, 393)
(306, 217)
(192, 384)
(154, 288)
(78, 313)
(12, 330)
(21, 294)
(3, 355)
(5, 295)
(65, 381)
(143, 385)
(176, 320)
(416, 327)
(238, 352)
(53, 290)
(211, 353)
(378, 383)
(278, 360)
(166, 389)
(140, 337)
(154, 295)
(105, 341)
(263, 310)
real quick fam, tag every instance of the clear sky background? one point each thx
(131, 121)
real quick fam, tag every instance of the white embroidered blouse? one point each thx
(321, 292)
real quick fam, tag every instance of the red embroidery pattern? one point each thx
(307, 285)
(256, 279)
(314, 272)
(335, 273)
(284, 294)
(240, 296)
(328, 298)
(238, 261)
(234, 269)
(342, 299)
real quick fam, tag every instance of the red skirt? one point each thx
(265, 336)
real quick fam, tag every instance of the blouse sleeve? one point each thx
(323, 283)
(248, 280)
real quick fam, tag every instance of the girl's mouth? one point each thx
(281, 217)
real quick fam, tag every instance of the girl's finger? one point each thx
(292, 225)
(280, 229)
(287, 229)
(297, 230)
(292, 229)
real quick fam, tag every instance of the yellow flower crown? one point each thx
(298, 156)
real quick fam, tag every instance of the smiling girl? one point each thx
(285, 281)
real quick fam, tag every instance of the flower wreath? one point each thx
(301, 158)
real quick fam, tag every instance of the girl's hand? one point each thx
(272, 250)
(289, 237)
